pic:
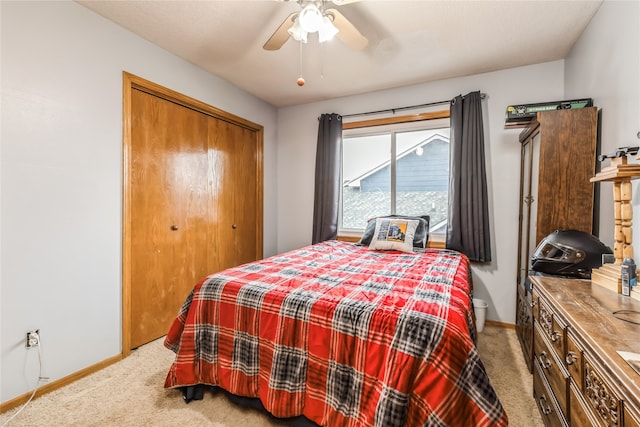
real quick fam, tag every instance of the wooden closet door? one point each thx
(235, 199)
(169, 211)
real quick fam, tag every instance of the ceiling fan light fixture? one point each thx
(310, 18)
(327, 30)
(297, 32)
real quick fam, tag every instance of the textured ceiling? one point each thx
(409, 41)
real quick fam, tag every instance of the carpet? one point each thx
(131, 393)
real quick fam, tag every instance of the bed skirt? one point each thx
(196, 392)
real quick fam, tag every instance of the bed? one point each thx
(342, 335)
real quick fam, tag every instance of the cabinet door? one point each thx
(567, 163)
(525, 213)
(534, 237)
(528, 205)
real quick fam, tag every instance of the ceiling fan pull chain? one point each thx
(300, 79)
(321, 61)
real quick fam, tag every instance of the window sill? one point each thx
(349, 238)
(436, 243)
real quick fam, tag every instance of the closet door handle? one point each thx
(174, 227)
(234, 226)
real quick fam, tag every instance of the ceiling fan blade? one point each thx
(347, 33)
(281, 35)
(342, 2)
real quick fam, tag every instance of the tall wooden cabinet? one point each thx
(558, 158)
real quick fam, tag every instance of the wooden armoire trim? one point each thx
(132, 82)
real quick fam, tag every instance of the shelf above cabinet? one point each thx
(618, 172)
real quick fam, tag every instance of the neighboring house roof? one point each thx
(435, 137)
(363, 206)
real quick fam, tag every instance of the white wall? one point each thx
(297, 133)
(605, 65)
(61, 160)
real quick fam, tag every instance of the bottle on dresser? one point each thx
(628, 272)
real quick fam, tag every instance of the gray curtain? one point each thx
(468, 215)
(328, 178)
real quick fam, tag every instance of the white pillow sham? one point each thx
(394, 234)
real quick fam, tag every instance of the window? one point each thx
(399, 168)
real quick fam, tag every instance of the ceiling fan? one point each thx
(314, 17)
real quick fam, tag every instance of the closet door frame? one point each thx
(130, 83)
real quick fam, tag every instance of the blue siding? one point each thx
(428, 172)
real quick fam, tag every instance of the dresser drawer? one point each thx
(599, 395)
(550, 367)
(553, 327)
(573, 359)
(547, 405)
(630, 419)
(580, 414)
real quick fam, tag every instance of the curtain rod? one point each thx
(410, 107)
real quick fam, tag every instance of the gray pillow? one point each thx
(419, 238)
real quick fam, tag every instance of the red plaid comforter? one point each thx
(342, 335)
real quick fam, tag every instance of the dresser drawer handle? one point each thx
(555, 336)
(571, 358)
(546, 409)
(544, 360)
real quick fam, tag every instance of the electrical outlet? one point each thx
(33, 338)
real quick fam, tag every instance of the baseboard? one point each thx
(59, 383)
(500, 324)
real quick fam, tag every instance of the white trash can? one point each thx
(480, 310)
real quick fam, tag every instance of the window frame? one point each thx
(396, 124)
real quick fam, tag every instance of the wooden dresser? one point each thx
(578, 377)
